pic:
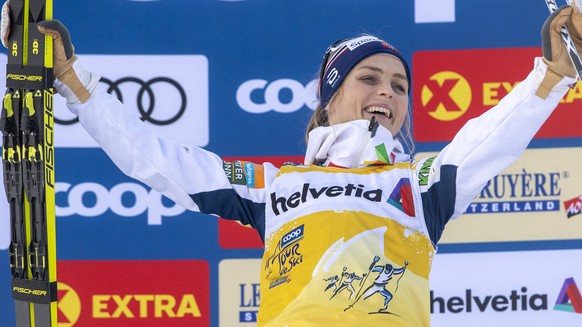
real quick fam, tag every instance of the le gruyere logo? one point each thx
(446, 96)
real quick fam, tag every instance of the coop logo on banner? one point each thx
(238, 287)
(170, 95)
(70, 201)
(450, 87)
(134, 293)
(259, 96)
(535, 198)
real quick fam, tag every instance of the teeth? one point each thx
(378, 110)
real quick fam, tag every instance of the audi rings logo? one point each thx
(145, 101)
(168, 92)
(259, 96)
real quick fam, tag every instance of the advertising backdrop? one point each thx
(238, 77)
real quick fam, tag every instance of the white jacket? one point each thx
(343, 246)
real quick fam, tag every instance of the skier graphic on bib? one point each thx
(346, 283)
(379, 285)
(332, 282)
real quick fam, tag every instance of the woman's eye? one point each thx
(399, 88)
(369, 79)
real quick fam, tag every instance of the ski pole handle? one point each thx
(570, 47)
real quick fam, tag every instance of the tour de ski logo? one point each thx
(374, 282)
(285, 257)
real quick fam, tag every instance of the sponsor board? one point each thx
(270, 93)
(526, 202)
(90, 200)
(171, 96)
(235, 55)
(72, 200)
(238, 291)
(450, 87)
(134, 293)
(434, 11)
(528, 288)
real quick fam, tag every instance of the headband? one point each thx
(343, 55)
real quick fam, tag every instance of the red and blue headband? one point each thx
(343, 55)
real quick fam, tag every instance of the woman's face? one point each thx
(377, 86)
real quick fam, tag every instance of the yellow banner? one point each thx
(238, 292)
(537, 198)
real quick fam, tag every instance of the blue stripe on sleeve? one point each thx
(229, 205)
(439, 202)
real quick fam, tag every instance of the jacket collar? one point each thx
(357, 143)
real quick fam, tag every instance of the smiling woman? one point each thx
(377, 87)
(351, 233)
(364, 77)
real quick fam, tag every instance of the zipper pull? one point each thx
(373, 127)
(369, 134)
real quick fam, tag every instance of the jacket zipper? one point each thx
(369, 135)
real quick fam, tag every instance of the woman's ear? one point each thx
(330, 111)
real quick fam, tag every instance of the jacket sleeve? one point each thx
(483, 148)
(192, 177)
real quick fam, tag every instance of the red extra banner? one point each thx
(133, 293)
(451, 87)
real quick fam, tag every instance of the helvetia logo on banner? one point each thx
(516, 300)
(569, 298)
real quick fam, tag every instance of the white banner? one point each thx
(168, 92)
(506, 289)
(434, 11)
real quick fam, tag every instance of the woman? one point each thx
(358, 204)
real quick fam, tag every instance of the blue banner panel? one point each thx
(239, 78)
